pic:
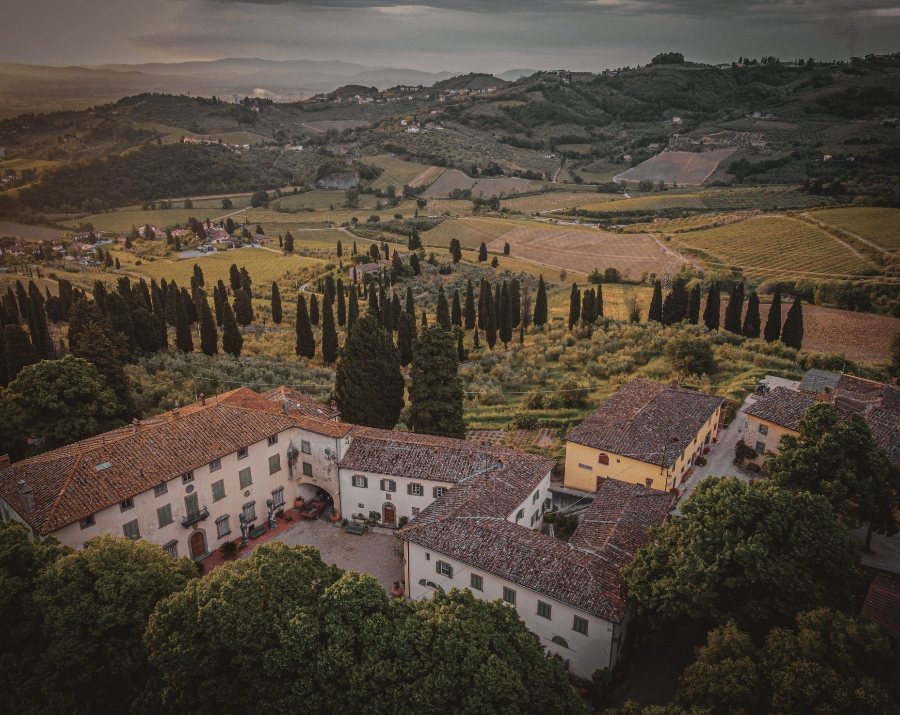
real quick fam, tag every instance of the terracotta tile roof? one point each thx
(885, 428)
(303, 404)
(815, 381)
(882, 603)
(890, 399)
(856, 393)
(68, 486)
(783, 407)
(647, 421)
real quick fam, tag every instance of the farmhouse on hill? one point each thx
(647, 433)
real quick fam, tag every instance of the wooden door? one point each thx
(390, 515)
(197, 544)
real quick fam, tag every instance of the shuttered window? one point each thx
(164, 515)
(274, 463)
(131, 530)
(509, 595)
(543, 610)
(358, 480)
(388, 485)
(477, 582)
(580, 625)
(444, 569)
(218, 490)
(246, 479)
(415, 489)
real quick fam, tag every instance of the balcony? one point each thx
(195, 517)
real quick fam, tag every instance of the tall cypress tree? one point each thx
(490, 320)
(773, 322)
(675, 306)
(656, 303)
(483, 290)
(587, 306)
(217, 305)
(540, 303)
(424, 319)
(341, 303)
(329, 334)
(734, 310)
(443, 310)
(751, 325)
(368, 383)
(461, 354)
(410, 302)
(373, 300)
(19, 350)
(387, 312)
(276, 304)
(209, 339)
(313, 309)
(712, 310)
(436, 390)
(306, 345)
(505, 316)
(406, 334)
(694, 305)
(353, 308)
(171, 303)
(792, 333)
(456, 310)
(184, 341)
(396, 309)
(232, 340)
(159, 315)
(470, 306)
(515, 301)
(574, 306)
(37, 325)
(234, 275)
(482, 253)
(243, 307)
(598, 303)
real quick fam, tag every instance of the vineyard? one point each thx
(681, 167)
(427, 177)
(582, 249)
(647, 203)
(775, 246)
(396, 172)
(453, 179)
(879, 225)
(339, 124)
(470, 232)
(552, 201)
(316, 200)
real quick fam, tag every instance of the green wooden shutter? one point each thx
(366, 482)
(409, 488)
(434, 492)
(449, 571)
(437, 566)
(382, 485)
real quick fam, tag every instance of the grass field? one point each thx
(552, 201)
(122, 221)
(339, 124)
(19, 164)
(776, 246)
(582, 249)
(647, 203)
(28, 232)
(397, 173)
(311, 199)
(429, 176)
(447, 182)
(879, 225)
(684, 167)
(8, 280)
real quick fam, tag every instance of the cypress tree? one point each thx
(313, 309)
(456, 310)
(37, 325)
(184, 341)
(329, 289)
(414, 264)
(288, 242)
(587, 306)
(574, 306)
(234, 275)
(396, 309)
(598, 303)
(243, 307)
(171, 303)
(341, 303)
(245, 281)
(190, 308)
(209, 339)
(540, 303)
(373, 300)
(387, 317)
(232, 340)
(482, 303)
(675, 306)
(368, 383)
(119, 317)
(792, 333)
(424, 319)
(470, 306)
(406, 334)
(22, 298)
(495, 306)
(435, 389)
(410, 302)
(490, 324)
(306, 345)
(482, 253)
(712, 310)
(159, 316)
(329, 334)
(734, 310)
(515, 301)
(353, 308)
(19, 350)
(694, 305)
(12, 305)
(461, 354)
(751, 325)
(198, 276)
(4, 379)
(276, 304)
(656, 303)
(443, 310)
(773, 322)
(505, 320)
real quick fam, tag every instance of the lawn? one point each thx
(879, 225)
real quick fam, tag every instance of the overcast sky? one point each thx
(452, 35)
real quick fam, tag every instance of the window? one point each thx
(304, 447)
(273, 440)
(543, 610)
(536, 496)
(444, 569)
(164, 515)
(477, 582)
(172, 548)
(760, 447)
(509, 595)
(439, 491)
(603, 459)
(359, 480)
(520, 515)
(649, 482)
(87, 521)
(307, 469)
(274, 463)
(763, 429)
(218, 490)
(187, 477)
(131, 530)
(243, 452)
(560, 641)
(192, 505)
(415, 510)
(580, 625)
(250, 511)
(126, 504)
(160, 489)
(388, 485)
(222, 526)
(415, 489)
(215, 465)
(586, 466)
(427, 556)
(245, 477)
(278, 497)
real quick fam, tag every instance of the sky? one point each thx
(445, 35)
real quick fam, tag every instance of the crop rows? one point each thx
(552, 201)
(647, 203)
(470, 231)
(879, 225)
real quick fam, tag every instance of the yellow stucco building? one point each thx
(773, 416)
(647, 433)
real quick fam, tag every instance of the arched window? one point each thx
(560, 641)
(603, 459)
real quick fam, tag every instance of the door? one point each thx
(390, 515)
(197, 544)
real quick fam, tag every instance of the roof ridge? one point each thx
(62, 491)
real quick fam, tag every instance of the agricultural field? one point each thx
(766, 199)
(238, 201)
(470, 232)
(682, 167)
(318, 200)
(28, 232)
(232, 138)
(552, 201)
(121, 221)
(397, 173)
(859, 336)
(19, 164)
(879, 225)
(771, 247)
(582, 249)
(449, 181)
(429, 176)
(339, 124)
(8, 280)
(648, 203)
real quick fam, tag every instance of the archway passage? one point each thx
(197, 544)
(389, 515)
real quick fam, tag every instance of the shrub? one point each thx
(691, 355)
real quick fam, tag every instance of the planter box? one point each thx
(357, 529)
(257, 531)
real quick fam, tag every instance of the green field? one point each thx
(122, 221)
(647, 203)
(319, 200)
(879, 225)
(28, 232)
(552, 201)
(470, 231)
(19, 164)
(776, 246)
(397, 173)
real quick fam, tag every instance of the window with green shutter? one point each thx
(164, 515)
(509, 595)
(477, 582)
(543, 610)
(307, 469)
(415, 489)
(580, 625)
(218, 490)
(388, 485)
(131, 530)
(438, 491)
(444, 569)
(246, 479)
(274, 463)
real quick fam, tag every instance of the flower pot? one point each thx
(396, 592)
(334, 517)
(298, 503)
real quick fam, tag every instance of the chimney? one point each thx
(175, 411)
(285, 408)
(203, 399)
(135, 425)
(26, 496)
(4, 461)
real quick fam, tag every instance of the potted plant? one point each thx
(298, 503)
(344, 522)
(229, 550)
(396, 591)
(333, 515)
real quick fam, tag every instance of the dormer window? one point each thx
(126, 504)
(187, 477)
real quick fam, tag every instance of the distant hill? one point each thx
(513, 75)
(473, 80)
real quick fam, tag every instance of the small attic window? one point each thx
(103, 465)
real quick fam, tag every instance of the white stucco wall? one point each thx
(356, 500)
(533, 506)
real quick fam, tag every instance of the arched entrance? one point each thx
(197, 544)
(389, 514)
